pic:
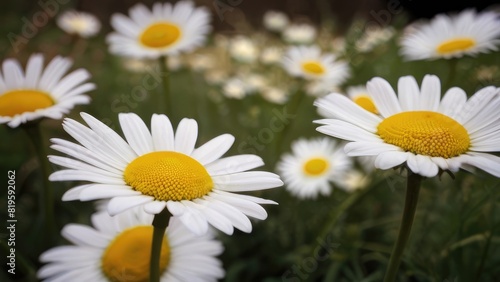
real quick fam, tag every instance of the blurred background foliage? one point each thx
(342, 237)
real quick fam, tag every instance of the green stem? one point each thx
(160, 223)
(165, 76)
(452, 65)
(412, 190)
(47, 199)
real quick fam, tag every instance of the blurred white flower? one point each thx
(312, 165)
(271, 55)
(83, 24)
(274, 95)
(467, 33)
(275, 20)
(308, 62)
(373, 37)
(165, 29)
(234, 88)
(243, 49)
(299, 34)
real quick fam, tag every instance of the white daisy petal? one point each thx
(390, 159)
(162, 133)
(84, 236)
(383, 96)
(102, 191)
(119, 204)
(408, 93)
(195, 221)
(186, 135)
(367, 149)
(345, 109)
(154, 207)
(213, 149)
(347, 131)
(136, 133)
(431, 93)
(486, 162)
(234, 164)
(453, 101)
(247, 181)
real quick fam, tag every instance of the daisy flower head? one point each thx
(165, 30)
(160, 169)
(467, 33)
(118, 249)
(37, 92)
(312, 165)
(83, 24)
(417, 127)
(308, 62)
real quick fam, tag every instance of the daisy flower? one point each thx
(419, 128)
(39, 92)
(83, 24)
(313, 164)
(118, 249)
(166, 30)
(467, 33)
(309, 63)
(157, 169)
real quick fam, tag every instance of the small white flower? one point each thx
(467, 33)
(80, 23)
(118, 249)
(38, 92)
(308, 62)
(165, 30)
(313, 164)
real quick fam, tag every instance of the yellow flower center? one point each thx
(312, 67)
(167, 175)
(365, 102)
(127, 257)
(425, 133)
(17, 102)
(455, 45)
(316, 166)
(160, 35)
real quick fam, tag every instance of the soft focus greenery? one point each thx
(456, 233)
